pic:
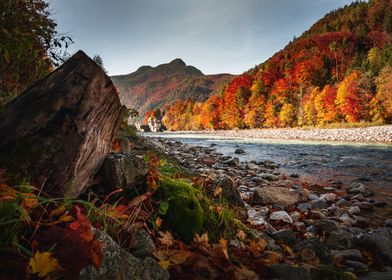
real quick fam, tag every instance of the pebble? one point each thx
(281, 216)
(330, 197)
(354, 210)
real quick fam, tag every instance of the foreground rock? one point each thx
(279, 195)
(118, 264)
(125, 171)
(58, 132)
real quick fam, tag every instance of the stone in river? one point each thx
(285, 235)
(281, 216)
(279, 195)
(330, 197)
(268, 176)
(239, 151)
(357, 188)
(354, 210)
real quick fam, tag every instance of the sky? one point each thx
(216, 36)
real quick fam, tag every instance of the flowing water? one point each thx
(316, 162)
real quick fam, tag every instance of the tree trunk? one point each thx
(57, 133)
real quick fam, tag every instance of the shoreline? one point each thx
(371, 135)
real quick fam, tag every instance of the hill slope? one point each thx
(339, 70)
(153, 87)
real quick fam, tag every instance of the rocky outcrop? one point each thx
(126, 171)
(58, 132)
(118, 264)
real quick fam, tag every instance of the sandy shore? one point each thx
(374, 134)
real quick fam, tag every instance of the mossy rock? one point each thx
(184, 215)
(327, 272)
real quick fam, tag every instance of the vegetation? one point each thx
(337, 71)
(29, 45)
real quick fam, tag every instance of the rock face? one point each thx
(118, 264)
(278, 195)
(379, 241)
(58, 132)
(125, 171)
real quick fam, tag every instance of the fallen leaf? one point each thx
(158, 222)
(43, 264)
(164, 264)
(66, 218)
(201, 239)
(29, 202)
(272, 257)
(217, 191)
(241, 234)
(58, 211)
(166, 238)
(179, 256)
(223, 244)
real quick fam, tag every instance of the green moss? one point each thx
(184, 214)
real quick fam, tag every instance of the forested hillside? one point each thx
(338, 71)
(152, 87)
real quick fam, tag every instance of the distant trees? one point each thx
(99, 61)
(338, 71)
(29, 45)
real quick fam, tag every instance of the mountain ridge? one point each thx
(150, 87)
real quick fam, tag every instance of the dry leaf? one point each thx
(158, 222)
(201, 239)
(166, 238)
(223, 244)
(58, 211)
(179, 256)
(164, 264)
(272, 257)
(43, 264)
(217, 191)
(241, 234)
(66, 218)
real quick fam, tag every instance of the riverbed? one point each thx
(319, 163)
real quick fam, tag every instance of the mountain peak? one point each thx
(178, 62)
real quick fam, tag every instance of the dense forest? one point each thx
(338, 71)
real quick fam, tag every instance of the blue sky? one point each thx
(215, 36)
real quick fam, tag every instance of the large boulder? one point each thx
(57, 133)
(379, 241)
(279, 195)
(127, 171)
(118, 264)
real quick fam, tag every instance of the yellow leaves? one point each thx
(223, 244)
(164, 264)
(43, 264)
(58, 211)
(166, 238)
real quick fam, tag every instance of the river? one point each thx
(315, 162)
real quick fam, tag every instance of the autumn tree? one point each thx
(351, 99)
(382, 101)
(29, 45)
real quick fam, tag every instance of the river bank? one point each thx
(374, 134)
(332, 224)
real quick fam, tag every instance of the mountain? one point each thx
(340, 70)
(153, 87)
